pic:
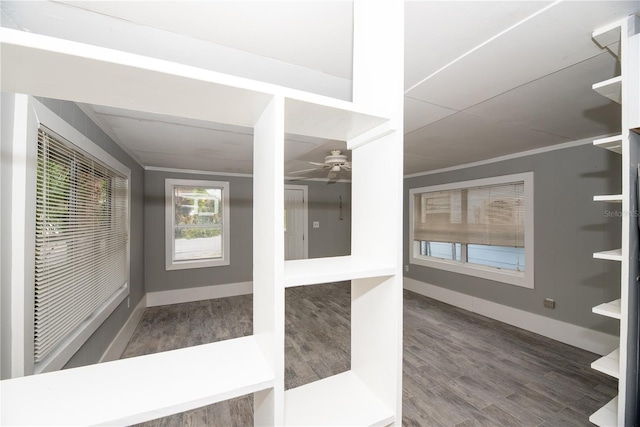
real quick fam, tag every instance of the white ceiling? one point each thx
(482, 78)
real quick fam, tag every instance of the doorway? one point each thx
(296, 245)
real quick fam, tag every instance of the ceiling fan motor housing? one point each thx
(335, 158)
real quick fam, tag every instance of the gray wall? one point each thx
(95, 347)
(568, 228)
(333, 238)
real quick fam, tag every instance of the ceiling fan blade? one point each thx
(304, 171)
(320, 164)
(347, 168)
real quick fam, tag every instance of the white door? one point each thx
(295, 222)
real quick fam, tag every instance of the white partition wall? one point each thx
(368, 394)
(621, 39)
(268, 256)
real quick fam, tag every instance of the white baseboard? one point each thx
(177, 296)
(577, 336)
(119, 343)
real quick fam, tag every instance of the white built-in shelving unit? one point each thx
(147, 387)
(622, 40)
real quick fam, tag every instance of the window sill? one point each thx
(184, 265)
(515, 278)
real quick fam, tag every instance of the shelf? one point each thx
(333, 269)
(126, 391)
(607, 416)
(101, 76)
(608, 37)
(609, 309)
(613, 143)
(612, 255)
(611, 88)
(613, 198)
(340, 400)
(609, 364)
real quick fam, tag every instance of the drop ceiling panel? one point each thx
(548, 42)
(418, 113)
(561, 103)
(315, 35)
(166, 137)
(81, 25)
(465, 138)
(417, 164)
(436, 32)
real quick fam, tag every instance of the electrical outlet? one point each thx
(406, 268)
(549, 303)
(316, 224)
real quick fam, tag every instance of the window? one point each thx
(197, 223)
(482, 228)
(81, 242)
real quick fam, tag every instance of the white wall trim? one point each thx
(241, 175)
(119, 343)
(535, 151)
(196, 172)
(177, 296)
(577, 336)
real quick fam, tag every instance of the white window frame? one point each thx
(170, 264)
(30, 114)
(524, 279)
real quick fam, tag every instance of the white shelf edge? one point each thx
(333, 269)
(138, 389)
(607, 416)
(608, 309)
(340, 400)
(608, 364)
(614, 198)
(613, 143)
(612, 255)
(611, 88)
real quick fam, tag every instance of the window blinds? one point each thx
(81, 239)
(488, 215)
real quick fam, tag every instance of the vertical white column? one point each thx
(377, 186)
(22, 240)
(627, 392)
(268, 256)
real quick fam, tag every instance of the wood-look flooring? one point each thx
(460, 368)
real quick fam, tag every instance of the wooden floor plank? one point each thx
(460, 368)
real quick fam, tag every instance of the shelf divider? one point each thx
(340, 400)
(332, 269)
(125, 391)
(606, 416)
(609, 37)
(612, 255)
(609, 309)
(609, 364)
(613, 143)
(611, 88)
(612, 198)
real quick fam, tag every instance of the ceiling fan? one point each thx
(334, 163)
